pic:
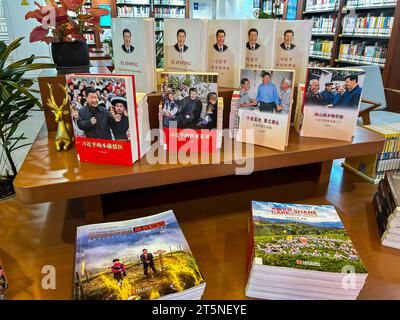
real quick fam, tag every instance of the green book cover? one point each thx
(306, 237)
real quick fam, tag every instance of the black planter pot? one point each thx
(71, 57)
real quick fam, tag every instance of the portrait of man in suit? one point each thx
(147, 261)
(252, 43)
(350, 94)
(127, 46)
(220, 46)
(180, 41)
(287, 43)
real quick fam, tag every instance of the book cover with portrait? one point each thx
(260, 38)
(191, 112)
(226, 50)
(331, 103)
(109, 119)
(185, 45)
(134, 50)
(146, 258)
(263, 107)
(292, 45)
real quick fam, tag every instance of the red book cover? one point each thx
(190, 112)
(105, 118)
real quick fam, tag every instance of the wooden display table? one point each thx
(47, 175)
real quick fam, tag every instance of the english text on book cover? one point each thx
(134, 51)
(310, 237)
(141, 259)
(185, 46)
(226, 50)
(104, 118)
(190, 112)
(265, 106)
(292, 47)
(331, 102)
(260, 35)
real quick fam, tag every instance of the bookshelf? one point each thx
(349, 32)
(279, 10)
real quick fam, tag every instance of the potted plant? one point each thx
(64, 28)
(17, 99)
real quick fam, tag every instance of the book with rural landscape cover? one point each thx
(140, 259)
(297, 236)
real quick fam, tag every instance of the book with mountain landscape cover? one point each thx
(112, 264)
(308, 237)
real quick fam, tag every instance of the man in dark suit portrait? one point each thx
(252, 43)
(287, 40)
(220, 46)
(147, 260)
(180, 41)
(127, 47)
(351, 95)
(191, 111)
(313, 97)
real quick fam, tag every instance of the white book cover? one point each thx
(261, 35)
(134, 50)
(331, 103)
(184, 45)
(265, 107)
(292, 47)
(226, 50)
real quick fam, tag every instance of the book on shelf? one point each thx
(170, 2)
(375, 166)
(361, 52)
(134, 51)
(190, 112)
(387, 210)
(267, 7)
(369, 3)
(260, 38)
(169, 12)
(299, 251)
(265, 106)
(369, 25)
(321, 48)
(134, 2)
(292, 47)
(226, 50)
(184, 45)
(146, 258)
(331, 103)
(133, 11)
(321, 5)
(324, 25)
(112, 124)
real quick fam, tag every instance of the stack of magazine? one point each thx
(142, 259)
(387, 208)
(301, 252)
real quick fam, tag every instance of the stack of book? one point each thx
(387, 210)
(141, 259)
(374, 167)
(301, 252)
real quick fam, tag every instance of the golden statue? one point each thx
(65, 136)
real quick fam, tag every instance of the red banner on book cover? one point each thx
(191, 140)
(104, 151)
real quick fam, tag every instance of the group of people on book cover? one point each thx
(99, 108)
(268, 97)
(340, 90)
(188, 106)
